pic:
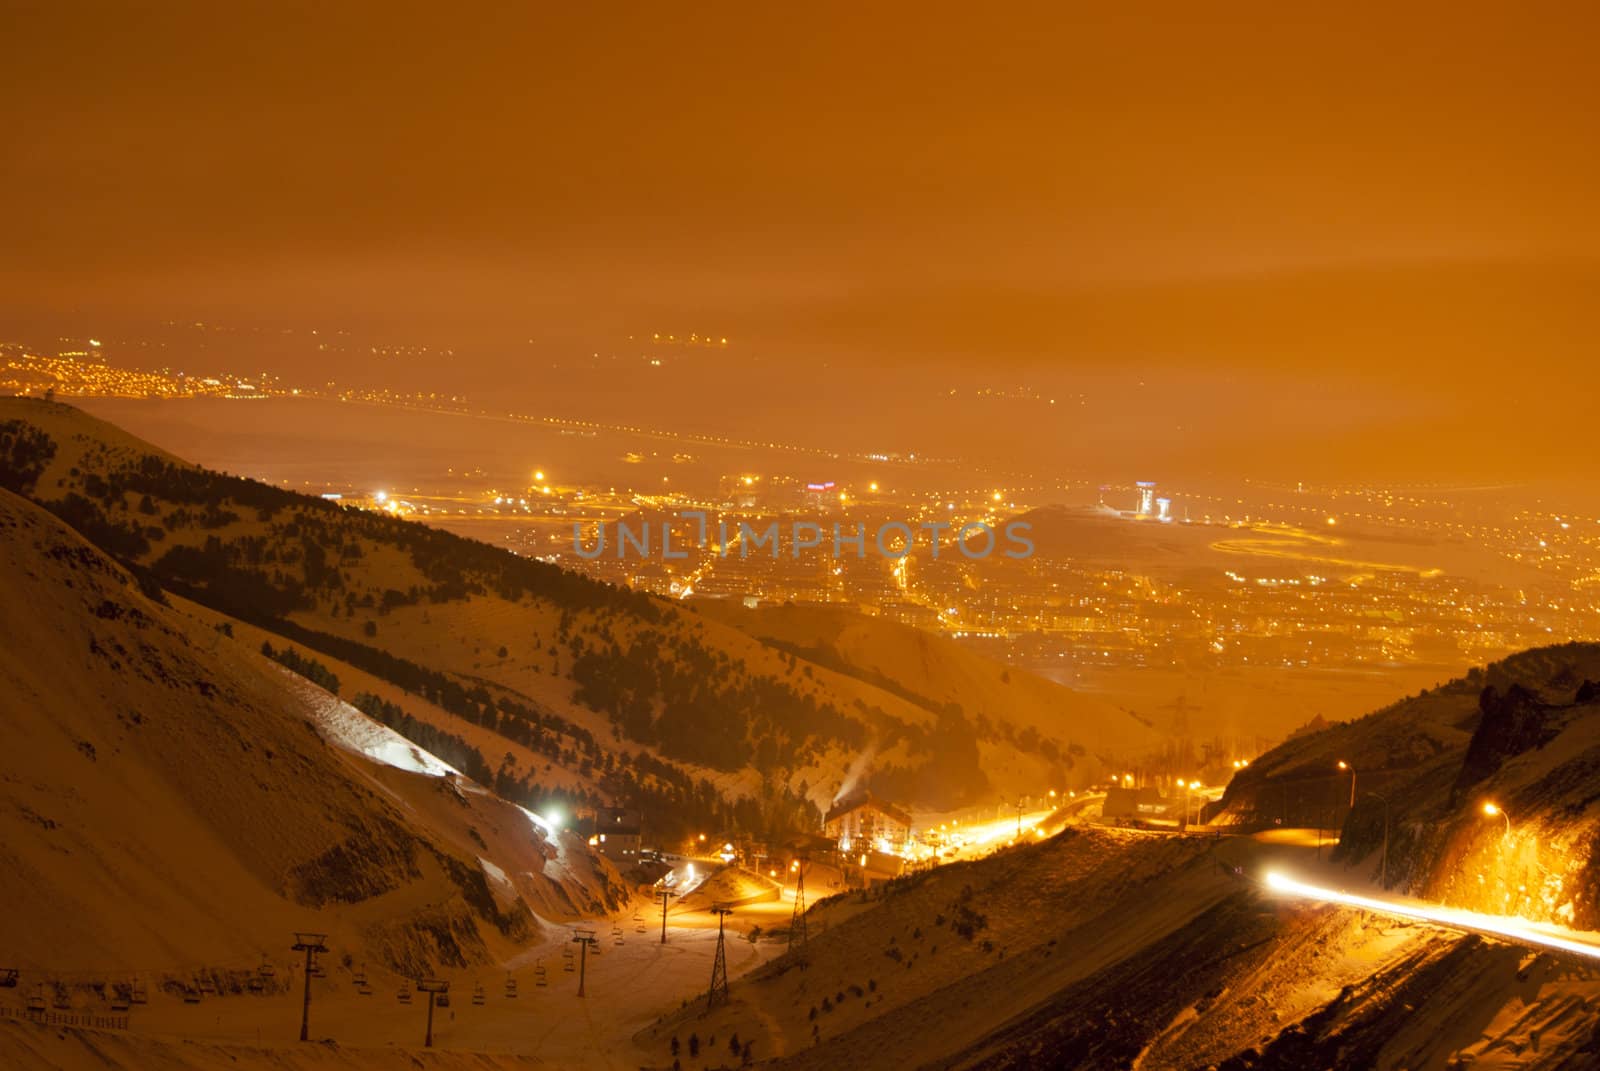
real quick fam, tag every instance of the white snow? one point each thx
(352, 730)
(494, 873)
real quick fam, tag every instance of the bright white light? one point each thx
(1522, 931)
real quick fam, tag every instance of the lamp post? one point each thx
(1492, 809)
(1188, 801)
(1352, 772)
(1383, 867)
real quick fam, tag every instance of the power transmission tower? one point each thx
(310, 944)
(797, 924)
(719, 966)
(434, 987)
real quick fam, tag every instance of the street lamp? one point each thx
(1188, 787)
(1383, 871)
(1492, 809)
(1352, 771)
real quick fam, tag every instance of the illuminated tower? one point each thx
(1147, 498)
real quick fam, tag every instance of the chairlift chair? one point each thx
(191, 995)
(405, 995)
(36, 1001)
(139, 994)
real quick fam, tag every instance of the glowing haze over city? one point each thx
(1018, 537)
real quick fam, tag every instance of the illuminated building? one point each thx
(820, 496)
(1147, 498)
(862, 822)
(615, 832)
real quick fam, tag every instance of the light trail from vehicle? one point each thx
(1520, 931)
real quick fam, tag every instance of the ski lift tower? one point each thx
(797, 923)
(436, 989)
(719, 966)
(583, 939)
(310, 944)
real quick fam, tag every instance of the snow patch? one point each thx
(352, 730)
(494, 873)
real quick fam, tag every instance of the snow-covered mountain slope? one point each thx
(40, 1048)
(521, 645)
(1112, 949)
(170, 801)
(940, 671)
(1522, 735)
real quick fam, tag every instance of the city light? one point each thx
(1313, 487)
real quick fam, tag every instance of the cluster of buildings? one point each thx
(85, 373)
